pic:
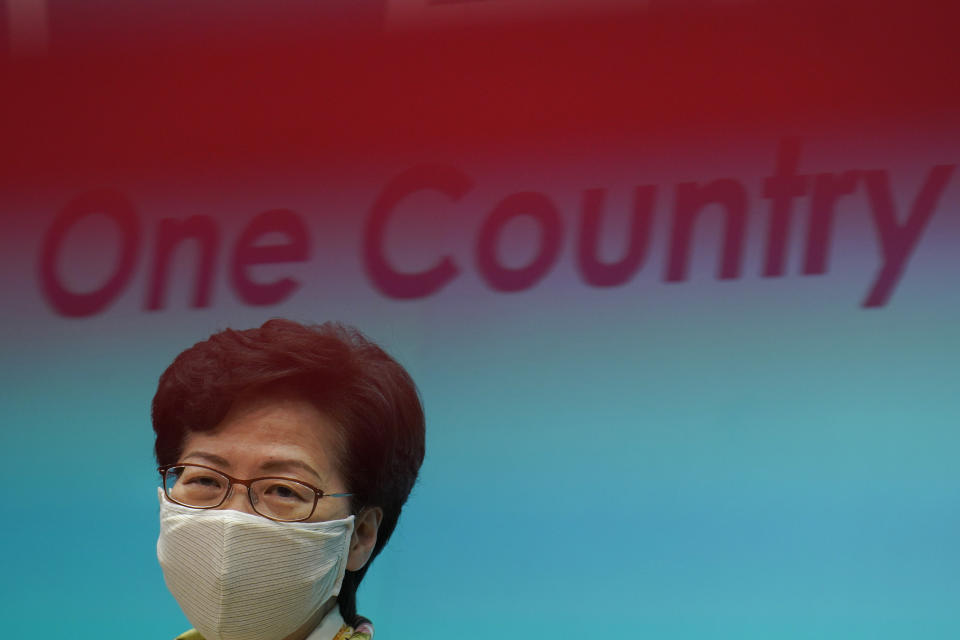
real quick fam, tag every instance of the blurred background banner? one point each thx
(677, 282)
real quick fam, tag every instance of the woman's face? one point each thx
(277, 434)
(274, 435)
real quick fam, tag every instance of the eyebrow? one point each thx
(282, 464)
(209, 457)
(290, 463)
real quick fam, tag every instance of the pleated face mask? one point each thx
(239, 576)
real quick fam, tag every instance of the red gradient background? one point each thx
(764, 453)
(180, 88)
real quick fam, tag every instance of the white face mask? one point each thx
(239, 576)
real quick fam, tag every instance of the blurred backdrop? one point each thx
(677, 282)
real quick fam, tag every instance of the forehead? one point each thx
(260, 430)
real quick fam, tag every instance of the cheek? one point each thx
(331, 509)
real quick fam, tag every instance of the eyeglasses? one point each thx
(276, 498)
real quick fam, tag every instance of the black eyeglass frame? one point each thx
(317, 493)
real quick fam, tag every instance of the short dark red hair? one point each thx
(370, 396)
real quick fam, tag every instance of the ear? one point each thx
(364, 538)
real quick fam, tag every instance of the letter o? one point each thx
(116, 207)
(541, 209)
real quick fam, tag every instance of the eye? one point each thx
(199, 478)
(211, 482)
(195, 486)
(283, 491)
(286, 491)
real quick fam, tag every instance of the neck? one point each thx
(311, 624)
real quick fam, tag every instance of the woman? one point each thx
(286, 454)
